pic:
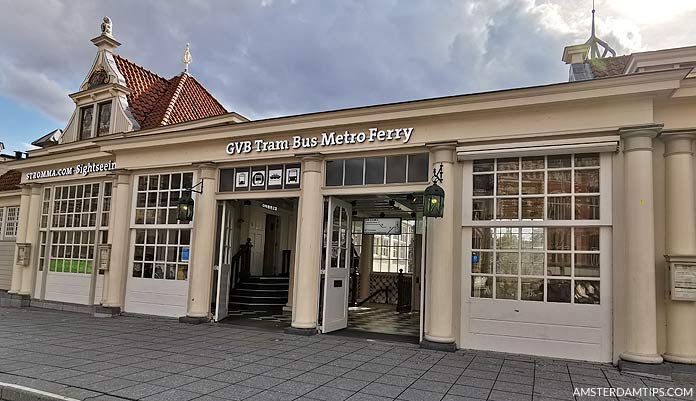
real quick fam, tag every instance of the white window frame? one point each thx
(4, 220)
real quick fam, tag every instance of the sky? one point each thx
(269, 58)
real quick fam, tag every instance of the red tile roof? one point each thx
(608, 66)
(10, 180)
(156, 101)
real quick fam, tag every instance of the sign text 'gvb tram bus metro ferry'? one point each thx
(326, 139)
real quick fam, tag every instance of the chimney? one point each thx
(576, 53)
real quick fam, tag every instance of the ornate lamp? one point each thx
(185, 205)
(434, 197)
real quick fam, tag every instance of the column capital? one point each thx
(35, 189)
(26, 189)
(207, 171)
(443, 152)
(311, 162)
(646, 130)
(678, 142)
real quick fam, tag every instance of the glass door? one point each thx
(337, 245)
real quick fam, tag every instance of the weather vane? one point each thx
(186, 58)
(594, 42)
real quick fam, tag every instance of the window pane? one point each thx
(354, 171)
(396, 169)
(508, 184)
(508, 164)
(507, 209)
(558, 291)
(507, 238)
(506, 287)
(558, 264)
(482, 238)
(533, 163)
(418, 167)
(586, 265)
(558, 182)
(482, 287)
(334, 172)
(532, 208)
(559, 208)
(587, 181)
(587, 160)
(483, 165)
(104, 119)
(374, 170)
(559, 161)
(559, 238)
(507, 263)
(586, 292)
(587, 208)
(86, 122)
(532, 264)
(483, 185)
(532, 289)
(533, 183)
(587, 239)
(482, 262)
(532, 238)
(482, 209)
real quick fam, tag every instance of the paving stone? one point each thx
(507, 396)
(368, 397)
(295, 387)
(512, 387)
(470, 392)
(231, 376)
(173, 395)
(202, 372)
(108, 386)
(431, 385)
(262, 382)
(345, 383)
(272, 396)
(314, 378)
(146, 376)
(396, 380)
(204, 386)
(363, 375)
(139, 391)
(330, 394)
(384, 390)
(412, 394)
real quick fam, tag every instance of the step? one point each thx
(259, 293)
(259, 300)
(256, 307)
(263, 279)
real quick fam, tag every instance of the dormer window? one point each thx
(86, 114)
(104, 123)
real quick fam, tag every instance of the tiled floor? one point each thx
(159, 359)
(383, 318)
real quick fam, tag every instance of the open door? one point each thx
(224, 266)
(337, 245)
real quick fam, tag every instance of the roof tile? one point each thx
(10, 180)
(608, 66)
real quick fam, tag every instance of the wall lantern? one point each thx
(186, 203)
(434, 197)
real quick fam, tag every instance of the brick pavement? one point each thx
(137, 358)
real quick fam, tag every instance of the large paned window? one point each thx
(86, 117)
(161, 243)
(104, 122)
(70, 226)
(395, 169)
(9, 218)
(535, 234)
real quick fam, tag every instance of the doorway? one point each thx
(380, 258)
(270, 247)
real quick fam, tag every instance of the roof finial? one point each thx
(594, 42)
(106, 26)
(186, 58)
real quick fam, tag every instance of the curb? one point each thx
(14, 392)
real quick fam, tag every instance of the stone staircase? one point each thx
(260, 293)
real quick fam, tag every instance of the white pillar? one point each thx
(366, 255)
(32, 237)
(306, 292)
(22, 219)
(201, 265)
(641, 307)
(439, 266)
(680, 213)
(115, 278)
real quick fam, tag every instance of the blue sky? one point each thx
(265, 58)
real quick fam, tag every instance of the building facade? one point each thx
(569, 226)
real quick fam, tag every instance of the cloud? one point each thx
(268, 58)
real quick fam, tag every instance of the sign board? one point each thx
(683, 278)
(83, 169)
(185, 252)
(382, 226)
(260, 178)
(326, 139)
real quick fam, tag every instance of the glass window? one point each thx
(374, 170)
(86, 122)
(157, 197)
(396, 169)
(334, 172)
(104, 123)
(418, 170)
(11, 222)
(354, 171)
(161, 254)
(390, 253)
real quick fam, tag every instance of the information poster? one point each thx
(683, 282)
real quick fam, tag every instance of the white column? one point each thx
(439, 266)
(366, 255)
(680, 222)
(32, 237)
(115, 278)
(306, 292)
(201, 266)
(22, 219)
(641, 307)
